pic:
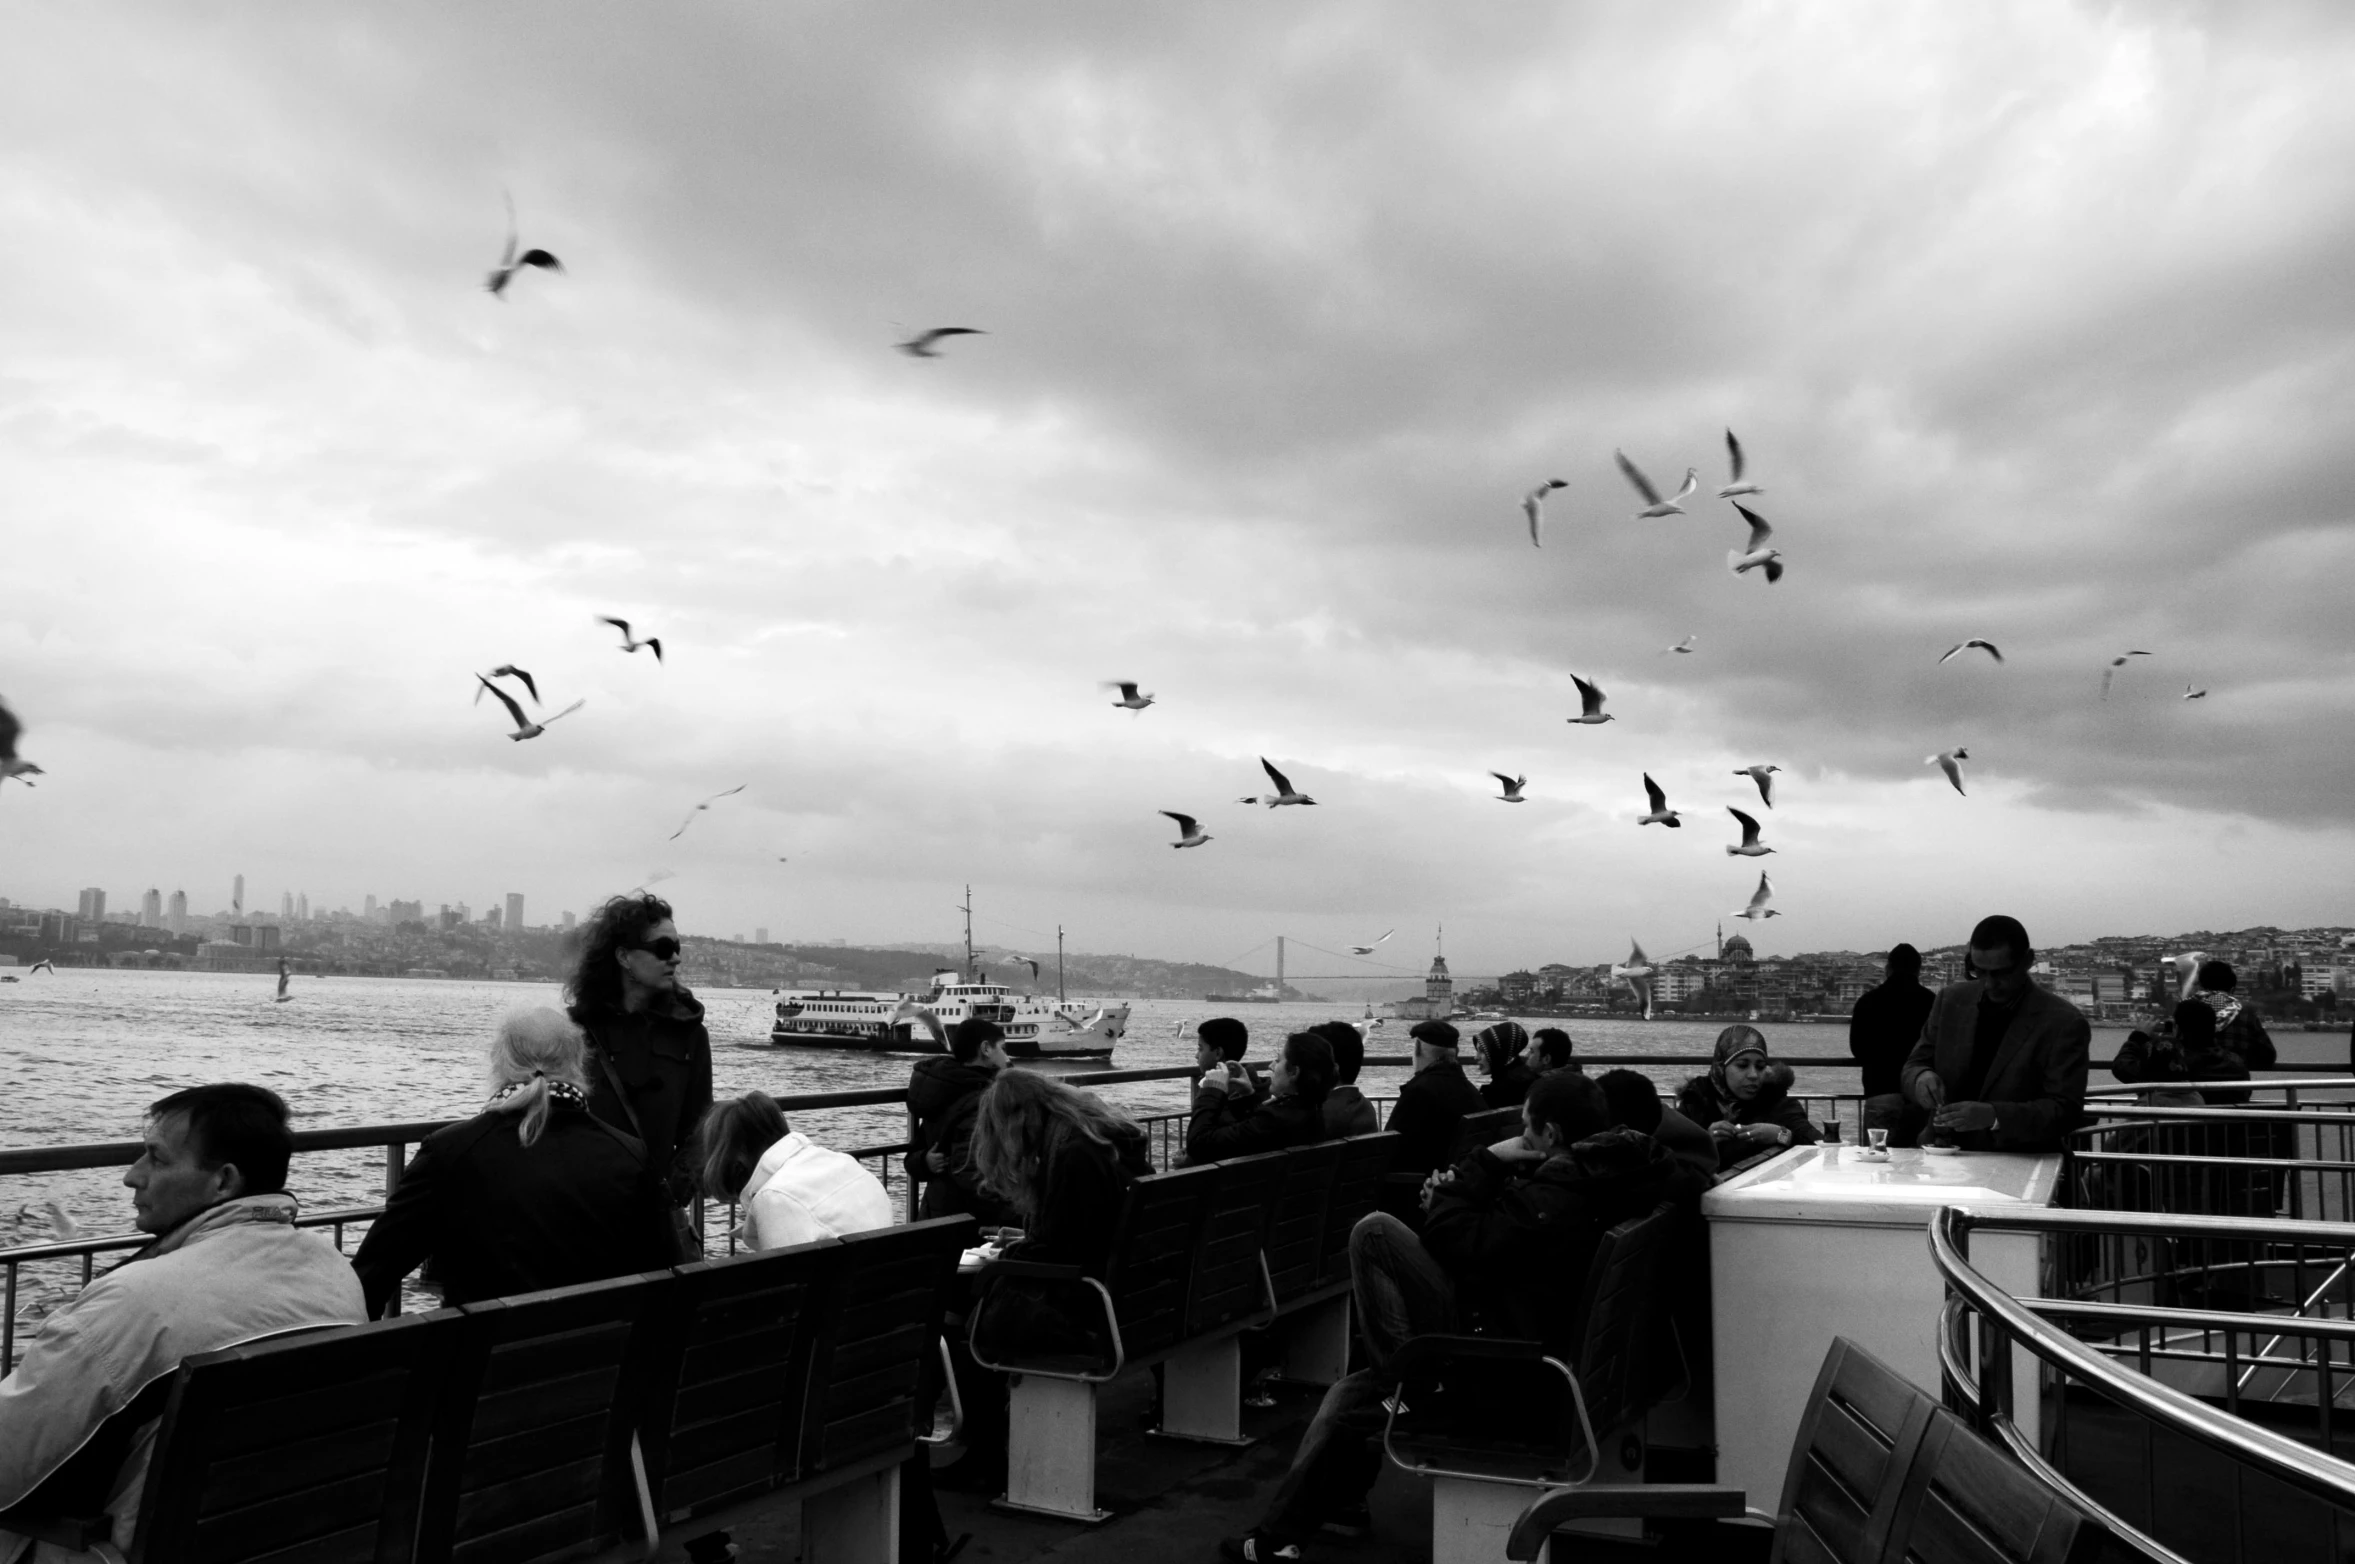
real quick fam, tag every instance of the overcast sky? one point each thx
(2035, 321)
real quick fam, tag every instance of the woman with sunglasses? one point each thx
(650, 1058)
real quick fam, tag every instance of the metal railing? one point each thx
(2154, 1417)
(2253, 1161)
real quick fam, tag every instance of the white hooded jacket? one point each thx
(801, 1192)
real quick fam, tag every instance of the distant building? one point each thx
(57, 928)
(266, 937)
(514, 910)
(1736, 949)
(286, 906)
(569, 920)
(241, 934)
(151, 909)
(760, 936)
(1517, 988)
(1439, 996)
(368, 907)
(176, 916)
(406, 911)
(237, 896)
(302, 908)
(490, 919)
(93, 906)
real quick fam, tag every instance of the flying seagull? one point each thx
(1764, 777)
(2111, 671)
(1024, 960)
(921, 344)
(1189, 833)
(1367, 950)
(1636, 972)
(10, 765)
(1284, 793)
(1734, 459)
(1653, 504)
(1963, 646)
(1128, 694)
(627, 644)
(1512, 788)
(1751, 847)
(1948, 761)
(2191, 694)
(1684, 647)
(1533, 507)
(1759, 898)
(700, 808)
(510, 262)
(510, 671)
(1590, 704)
(525, 728)
(1661, 814)
(1756, 555)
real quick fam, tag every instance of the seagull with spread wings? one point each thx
(1975, 642)
(510, 263)
(10, 765)
(1751, 847)
(1653, 504)
(1755, 555)
(1285, 793)
(525, 728)
(1128, 694)
(1735, 486)
(1533, 507)
(1950, 762)
(1190, 832)
(1683, 648)
(1636, 972)
(628, 643)
(1367, 950)
(2111, 671)
(1590, 704)
(2191, 694)
(706, 804)
(510, 671)
(1660, 814)
(925, 344)
(1764, 777)
(1512, 788)
(1759, 898)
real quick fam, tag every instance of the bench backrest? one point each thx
(1624, 1298)
(1964, 1502)
(1357, 1193)
(1296, 1221)
(1228, 1283)
(724, 1411)
(1863, 1427)
(876, 1337)
(1152, 1252)
(310, 1446)
(531, 1456)
(1485, 1128)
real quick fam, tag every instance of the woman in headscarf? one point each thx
(1501, 1048)
(1745, 1099)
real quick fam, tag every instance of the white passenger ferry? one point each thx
(1036, 1028)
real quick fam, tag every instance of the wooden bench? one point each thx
(1879, 1474)
(1488, 1419)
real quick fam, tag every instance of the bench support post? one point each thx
(1471, 1521)
(1202, 1393)
(857, 1523)
(1316, 1343)
(1051, 1448)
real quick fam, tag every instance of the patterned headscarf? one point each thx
(1732, 1043)
(1504, 1041)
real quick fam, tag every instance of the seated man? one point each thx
(1553, 1050)
(1635, 1103)
(1433, 1101)
(228, 1266)
(1509, 1234)
(1346, 1110)
(2001, 1063)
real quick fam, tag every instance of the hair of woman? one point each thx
(594, 983)
(736, 1133)
(530, 1049)
(1016, 1122)
(1311, 1059)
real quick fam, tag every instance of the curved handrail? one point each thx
(2285, 1460)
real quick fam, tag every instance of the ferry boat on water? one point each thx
(1036, 1028)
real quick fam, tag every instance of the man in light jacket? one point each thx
(2001, 1062)
(228, 1266)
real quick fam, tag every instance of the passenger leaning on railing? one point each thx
(944, 1095)
(2179, 1053)
(1745, 1099)
(792, 1190)
(227, 1266)
(1346, 1110)
(532, 1192)
(1293, 1115)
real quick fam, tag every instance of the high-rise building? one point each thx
(93, 907)
(761, 937)
(151, 909)
(514, 911)
(286, 906)
(368, 907)
(176, 914)
(569, 921)
(237, 897)
(490, 919)
(302, 908)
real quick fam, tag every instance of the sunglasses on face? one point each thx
(664, 949)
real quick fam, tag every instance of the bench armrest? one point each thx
(1039, 1270)
(1649, 1501)
(1102, 1298)
(1426, 1354)
(74, 1533)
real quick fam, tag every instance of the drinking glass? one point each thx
(1831, 1132)
(1880, 1140)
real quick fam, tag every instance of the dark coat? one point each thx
(1082, 1184)
(497, 1217)
(1213, 1135)
(1517, 1242)
(945, 1096)
(1700, 1103)
(1430, 1106)
(2037, 1080)
(1688, 1142)
(1348, 1113)
(1509, 1087)
(663, 1058)
(2157, 1059)
(1883, 1028)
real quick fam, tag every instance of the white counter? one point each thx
(1820, 1242)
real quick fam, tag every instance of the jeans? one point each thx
(1400, 1292)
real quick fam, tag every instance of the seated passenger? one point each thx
(944, 1094)
(792, 1190)
(228, 1266)
(1635, 1103)
(1552, 1048)
(1293, 1115)
(1745, 1099)
(1433, 1101)
(534, 1191)
(1346, 1110)
(1499, 1049)
(1218, 1049)
(1509, 1236)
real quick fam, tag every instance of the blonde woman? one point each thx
(532, 1192)
(793, 1190)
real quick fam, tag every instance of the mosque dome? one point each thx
(1738, 949)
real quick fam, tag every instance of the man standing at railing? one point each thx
(227, 1266)
(1882, 1030)
(2001, 1062)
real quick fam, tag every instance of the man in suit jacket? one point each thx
(2001, 1062)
